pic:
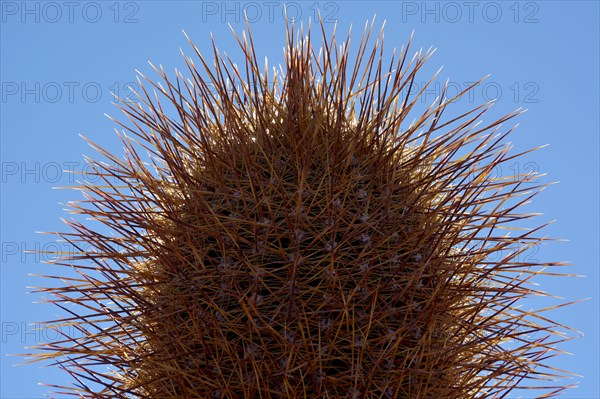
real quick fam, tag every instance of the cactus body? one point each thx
(305, 238)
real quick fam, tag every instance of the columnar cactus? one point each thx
(302, 234)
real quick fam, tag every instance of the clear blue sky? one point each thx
(61, 60)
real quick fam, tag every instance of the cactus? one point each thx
(302, 234)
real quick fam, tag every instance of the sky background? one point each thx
(61, 60)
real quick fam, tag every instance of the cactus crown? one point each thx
(293, 235)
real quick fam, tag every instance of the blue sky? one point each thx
(61, 60)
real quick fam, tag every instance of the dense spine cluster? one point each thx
(302, 234)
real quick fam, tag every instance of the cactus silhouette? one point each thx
(305, 233)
